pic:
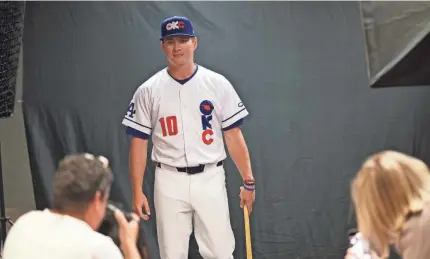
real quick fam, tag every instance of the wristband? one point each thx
(248, 188)
(249, 181)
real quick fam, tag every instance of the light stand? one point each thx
(3, 219)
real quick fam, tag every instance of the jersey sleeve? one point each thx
(233, 110)
(234, 125)
(138, 115)
(135, 133)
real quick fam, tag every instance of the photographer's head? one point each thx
(81, 187)
(389, 186)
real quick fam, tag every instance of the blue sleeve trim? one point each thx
(136, 133)
(234, 125)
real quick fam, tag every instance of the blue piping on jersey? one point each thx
(234, 125)
(183, 81)
(138, 134)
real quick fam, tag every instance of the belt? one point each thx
(189, 170)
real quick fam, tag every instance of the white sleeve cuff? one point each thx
(137, 126)
(235, 117)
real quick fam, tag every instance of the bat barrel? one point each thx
(247, 233)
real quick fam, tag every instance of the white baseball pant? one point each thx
(181, 201)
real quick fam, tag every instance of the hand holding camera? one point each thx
(128, 230)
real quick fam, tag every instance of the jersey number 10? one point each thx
(169, 126)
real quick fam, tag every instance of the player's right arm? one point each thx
(138, 123)
(137, 162)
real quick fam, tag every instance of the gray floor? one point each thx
(18, 188)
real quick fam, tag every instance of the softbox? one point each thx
(397, 42)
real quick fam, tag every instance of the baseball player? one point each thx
(187, 109)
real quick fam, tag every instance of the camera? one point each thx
(109, 225)
(359, 246)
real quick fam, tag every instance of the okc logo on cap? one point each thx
(176, 26)
(206, 108)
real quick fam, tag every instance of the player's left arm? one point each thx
(233, 114)
(238, 150)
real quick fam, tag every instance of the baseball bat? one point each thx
(247, 233)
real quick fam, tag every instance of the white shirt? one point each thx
(185, 121)
(47, 235)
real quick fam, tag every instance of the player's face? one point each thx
(179, 50)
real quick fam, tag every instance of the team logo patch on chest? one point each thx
(206, 108)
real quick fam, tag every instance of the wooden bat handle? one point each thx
(247, 233)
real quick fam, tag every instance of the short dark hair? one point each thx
(78, 178)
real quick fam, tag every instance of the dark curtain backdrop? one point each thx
(300, 67)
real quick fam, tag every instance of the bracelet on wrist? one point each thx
(249, 184)
(248, 188)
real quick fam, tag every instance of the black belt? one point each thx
(190, 170)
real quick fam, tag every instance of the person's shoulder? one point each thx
(214, 76)
(26, 222)
(30, 216)
(415, 232)
(210, 73)
(152, 82)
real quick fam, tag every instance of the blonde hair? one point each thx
(389, 186)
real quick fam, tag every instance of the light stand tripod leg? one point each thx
(3, 218)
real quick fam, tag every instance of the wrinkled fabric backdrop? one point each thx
(300, 68)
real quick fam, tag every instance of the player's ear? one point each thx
(162, 47)
(195, 41)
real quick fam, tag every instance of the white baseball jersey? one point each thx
(185, 120)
